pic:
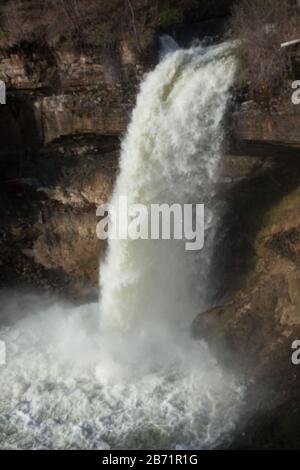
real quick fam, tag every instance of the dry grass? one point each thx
(262, 26)
(93, 23)
(78, 23)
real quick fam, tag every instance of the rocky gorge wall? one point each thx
(60, 133)
(257, 318)
(66, 113)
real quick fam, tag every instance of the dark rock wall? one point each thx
(60, 139)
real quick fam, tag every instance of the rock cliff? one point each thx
(60, 133)
(67, 110)
(257, 317)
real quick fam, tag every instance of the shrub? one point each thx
(100, 24)
(22, 23)
(262, 26)
(101, 36)
(171, 16)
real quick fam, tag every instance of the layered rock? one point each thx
(67, 111)
(73, 94)
(60, 133)
(277, 125)
(257, 268)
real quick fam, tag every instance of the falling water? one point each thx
(137, 381)
(171, 154)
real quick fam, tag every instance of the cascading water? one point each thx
(172, 154)
(139, 382)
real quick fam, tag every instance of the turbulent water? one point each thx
(135, 379)
(171, 154)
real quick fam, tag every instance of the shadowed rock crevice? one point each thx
(257, 267)
(246, 205)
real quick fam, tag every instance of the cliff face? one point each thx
(66, 112)
(75, 94)
(258, 319)
(253, 331)
(61, 131)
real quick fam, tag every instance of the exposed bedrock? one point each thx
(60, 135)
(257, 317)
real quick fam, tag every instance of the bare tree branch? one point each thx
(134, 24)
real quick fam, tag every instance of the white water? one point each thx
(171, 154)
(139, 382)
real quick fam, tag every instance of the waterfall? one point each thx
(171, 154)
(138, 381)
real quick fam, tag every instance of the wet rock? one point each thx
(252, 331)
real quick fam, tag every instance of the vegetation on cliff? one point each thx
(262, 27)
(97, 24)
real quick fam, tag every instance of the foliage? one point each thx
(86, 23)
(262, 26)
(102, 36)
(100, 24)
(171, 16)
